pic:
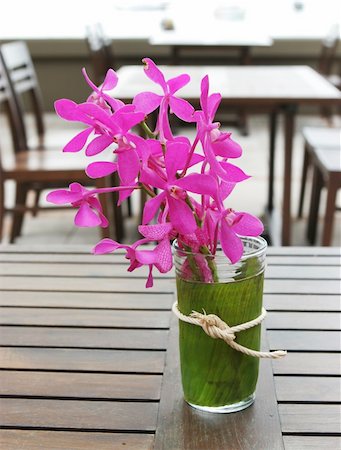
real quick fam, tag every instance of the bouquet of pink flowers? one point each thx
(185, 204)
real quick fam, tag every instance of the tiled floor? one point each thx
(57, 226)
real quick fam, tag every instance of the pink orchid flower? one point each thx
(229, 226)
(149, 101)
(90, 210)
(160, 257)
(174, 190)
(216, 143)
(99, 95)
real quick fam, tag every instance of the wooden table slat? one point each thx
(304, 389)
(312, 442)
(317, 419)
(95, 338)
(298, 340)
(62, 284)
(85, 318)
(308, 364)
(80, 385)
(162, 285)
(91, 415)
(111, 300)
(296, 302)
(61, 440)
(303, 320)
(82, 360)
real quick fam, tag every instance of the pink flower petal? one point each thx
(62, 196)
(77, 143)
(151, 207)
(110, 80)
(125, 120)
(86, 217)
(128, 165)
(154, 73)
(98, 144)
(178, 82)
(231, 244)
(248, 225)
(181, 216)
(155, 232)
(198, 183)
(175, 158)
(213, 104)
(147, 102)
(227, 147)
(234, 173)
(66, 109)
(150, 282)
(123, 195)
(100, 169)
(105, 246)
(181, 108)
(164, 259)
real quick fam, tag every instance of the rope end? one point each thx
(279, 354)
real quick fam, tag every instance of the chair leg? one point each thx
(2, 208)
(314, 206)
(117, 211)
(18, 215)
(330, 210)
(306, 161)
(242, 123)
(35, 209)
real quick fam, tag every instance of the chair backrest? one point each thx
(100, 51)
(8, 101)
(328, 51)
(22, 75)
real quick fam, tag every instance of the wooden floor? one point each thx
(57, 227)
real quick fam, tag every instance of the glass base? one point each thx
(234, 407)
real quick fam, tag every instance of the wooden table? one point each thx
(242, 42)
(271, 88)
(89, 358)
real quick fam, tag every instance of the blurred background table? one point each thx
(88, 356)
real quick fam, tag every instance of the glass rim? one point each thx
(221, 256)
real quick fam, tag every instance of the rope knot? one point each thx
(214, 326)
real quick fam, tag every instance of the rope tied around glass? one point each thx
(216, 328)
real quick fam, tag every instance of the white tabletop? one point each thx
(264, 84)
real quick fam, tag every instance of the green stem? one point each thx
(210, 262)
(147, 130)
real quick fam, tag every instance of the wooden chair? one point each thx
(325, 65)
(28, 96)
(37, 169)
(100, 51)
(323, 152)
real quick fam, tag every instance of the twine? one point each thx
(218, 329)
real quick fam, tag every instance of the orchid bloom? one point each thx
(149, 101)
(99, 95)
(90, 210)
(216, 143)
(230, 225)
(160, 257)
